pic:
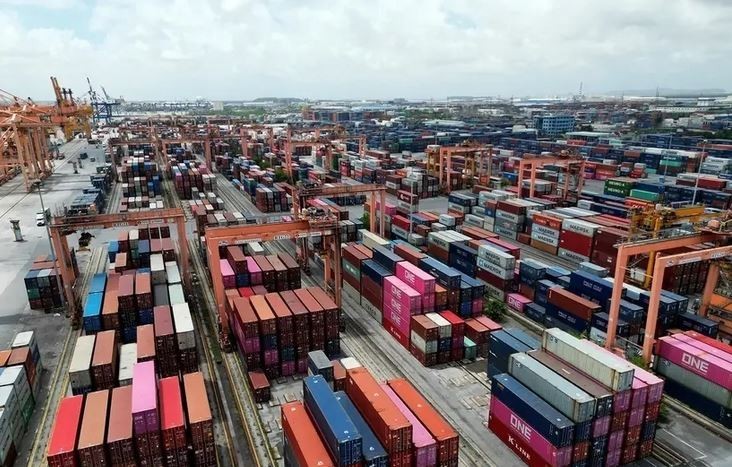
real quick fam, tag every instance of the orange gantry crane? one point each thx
(245, 136)
(327, 228)
(569, 164)
(628, 250)
(24, 128)
(439, 162)
(63, 226)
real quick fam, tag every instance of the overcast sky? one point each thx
(240, 49)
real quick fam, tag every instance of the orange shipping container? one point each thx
(91, 447)
(145, 343)
(301, 437)
(104, 360)
(120, 444)
(445, 435)
(199, 419)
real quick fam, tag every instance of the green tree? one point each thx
(280, 175)
(495, 310)
(366, 219)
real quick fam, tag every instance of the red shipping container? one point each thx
(166, 347)
(576, 242)
(65, 433)
(489, 323)
(104, 360)
(120, 443)
(283, 318)
(172, 422)
(339, 376)
(425, 327)
(300, 321)
(390, 427)
(572, 303)
(630, 453)
(580, 451)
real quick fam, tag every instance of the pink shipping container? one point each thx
(477, 307)
(615, 440)
(613, 458)
(271, 357)
(255, 272)
(517, 301)
(704, 364)
(636, 415)
(144, 398)
(396, 322)
(654, 383)
(415, 278)
(621, 401)
(639, 393)
(227, 274)
(601, 426)
(704, 346)
(554, 456)
(399, 295)
(425, 447)
(288, 368)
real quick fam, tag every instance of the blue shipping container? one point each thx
(523, 337)
(500, 347)
(698, 323)
(374, 271)
(335, 426)
(373, 453)
(445, 275)
(545, 419)
(600, 321)
(98, 282)
(92, 317)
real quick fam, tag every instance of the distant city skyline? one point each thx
(378, 49)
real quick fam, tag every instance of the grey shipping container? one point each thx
(320, 364)
(560, 393)
(705, 387)
(594, 361)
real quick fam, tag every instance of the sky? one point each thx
(362, 49)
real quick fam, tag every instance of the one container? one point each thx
(80, 376)
(336, 428)
(65, 432)
(548, 421)
(565, 396)
(589, 359)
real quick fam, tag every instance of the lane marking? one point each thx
(703, 456)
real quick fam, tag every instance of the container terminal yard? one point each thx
(198, 290)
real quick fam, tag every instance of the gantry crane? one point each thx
(439, 162)
(103, 108)
(325, 227)
(628, 250)
(63, 226)
(569, 163)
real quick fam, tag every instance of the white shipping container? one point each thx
(497, 271)
(176, 295)
(183, 326)
(495, 292)
(579, 226)
(254, 249)
(515, 218)
(127, 360)
(588, 358)
(349, 363)
(572, 256)
(444, 326)
(598, 336)
(79, 370)
(6, 436)
(9, 402)
(172, 273)
(425, 347)
(497, 257)
(157, 269)
(545, 231)
(545, 239)
(371, 240)
(472, 219)
(446, 219)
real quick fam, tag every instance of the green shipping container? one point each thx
(644, 195)
(471, 350)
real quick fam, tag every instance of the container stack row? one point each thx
(134, 248)
(139, 176)
(368, 423)
(191, 178)
(275, 331)
(274, 273)
(430, 308)
(153, 421)
(571, 402)
(698, 372)
(20, 380)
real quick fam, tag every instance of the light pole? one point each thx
(38, 185)
(698, 172)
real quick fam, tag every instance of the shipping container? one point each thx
(119, 440)
(301, 438)
(335, 427)
(65, 433)
(144, 398)
(589, 359)
(199, 419)
(104, 360)
(172, 423)
(373, 453)
(707, 365)
(90, 447)
(80, 376)
(127, 360)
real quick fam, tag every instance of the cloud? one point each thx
(376, 48)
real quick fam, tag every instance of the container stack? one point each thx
(698, 372)
(571, 402)
(370, 423)
(17, 401)
(139, 177)
(276, 330)
(148, 422)
(41, 286)
(275, 272)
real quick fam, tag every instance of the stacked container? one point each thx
(145, 415)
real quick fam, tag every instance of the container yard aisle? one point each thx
(465, 408)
